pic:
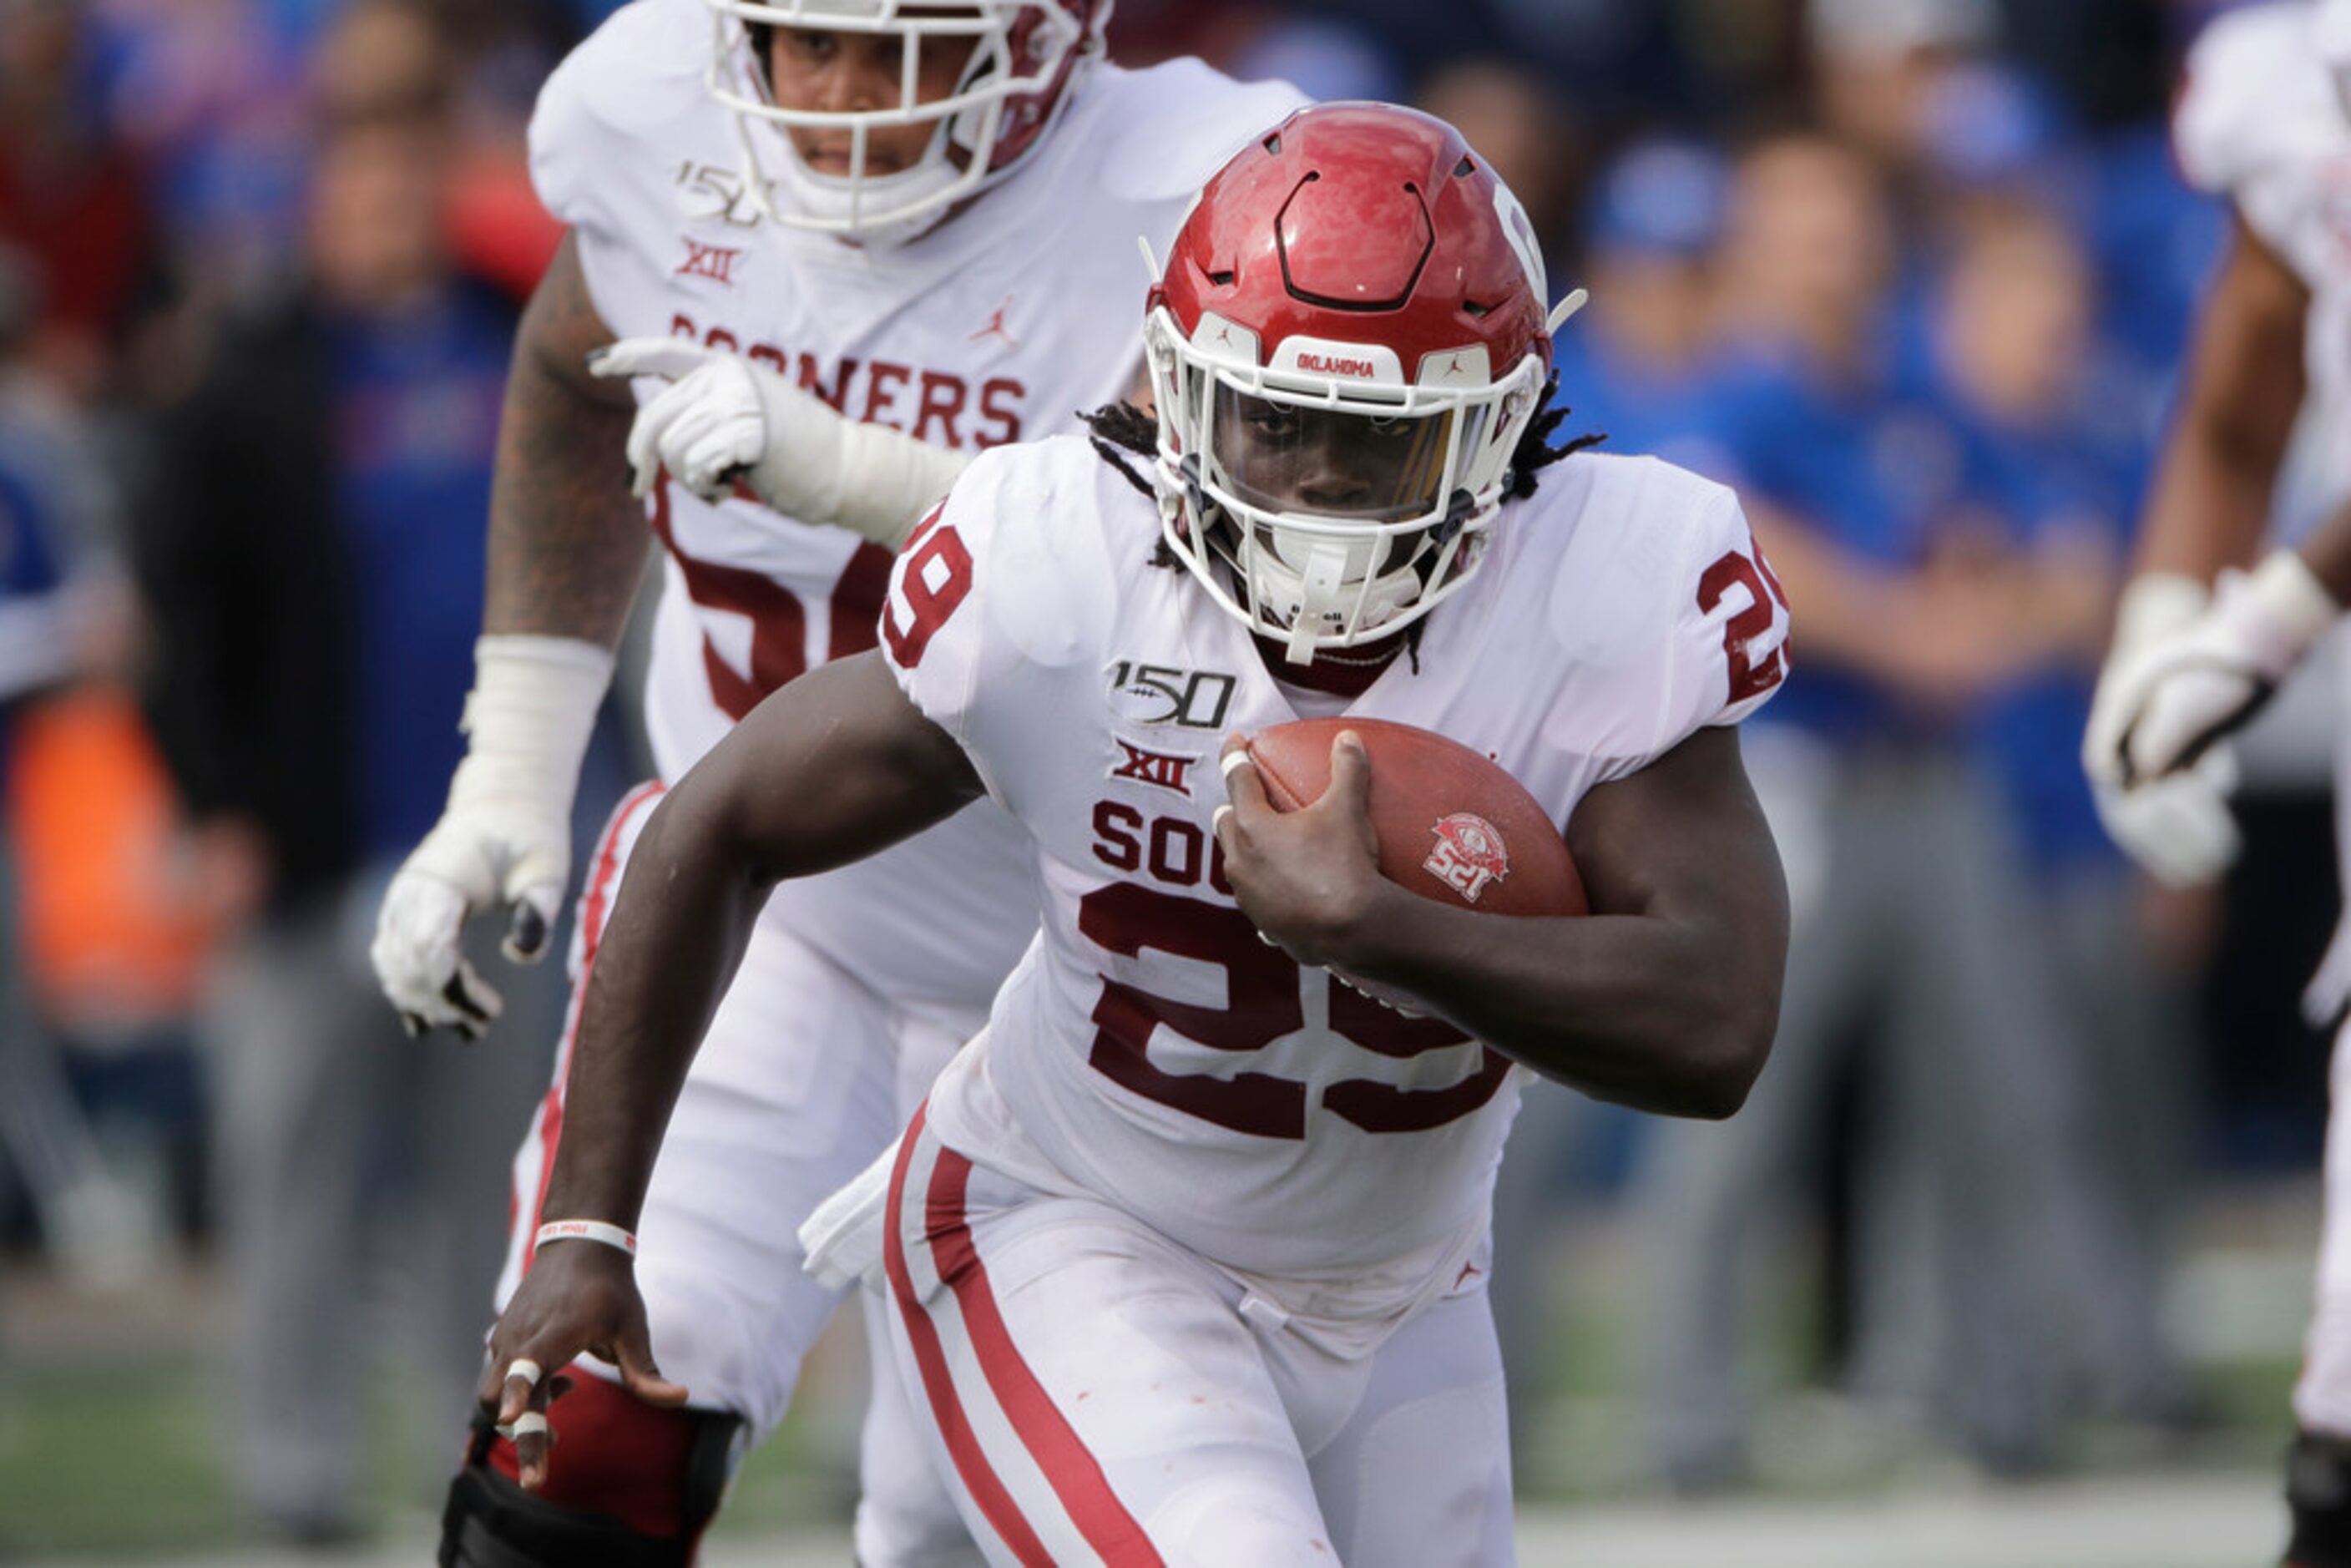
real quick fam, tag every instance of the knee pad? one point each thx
(2318, 1493)
(629, 1485)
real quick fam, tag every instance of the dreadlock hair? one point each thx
(1535, 452)
(1118, 431)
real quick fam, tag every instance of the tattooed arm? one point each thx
(567, 545)
(567, 539)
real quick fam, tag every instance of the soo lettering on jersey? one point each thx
(937, 406)
(1265, 999)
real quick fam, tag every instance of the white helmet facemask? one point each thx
(968, 123)
(1328, 500)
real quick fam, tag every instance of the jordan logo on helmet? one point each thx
(1468, 853)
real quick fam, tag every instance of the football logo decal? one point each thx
(1468, 853)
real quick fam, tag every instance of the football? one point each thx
(1452, 825)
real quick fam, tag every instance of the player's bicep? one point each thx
(561, 327)
(831, 768)
(1685, 840)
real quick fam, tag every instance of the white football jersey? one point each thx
(1000, 324)
(2261, 123)
(1152, 1049)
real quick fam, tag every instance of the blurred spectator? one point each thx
(1324, 57)
(1903, 875)
(49, 504)
(1877, 66)
(70, 196)
(2018, 364)
(1635, 365)
(1518, 125)
(311, 557)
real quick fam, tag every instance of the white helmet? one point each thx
(1023, 58)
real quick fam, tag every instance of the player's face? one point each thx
(811, 68)
(1287, 459)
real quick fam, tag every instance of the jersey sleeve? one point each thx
(597, 115)
(1670, 616)
(2253, 91)
(1732, 639)
(997, 609)
(1173, 125)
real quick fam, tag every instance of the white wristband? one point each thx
(586, 1230)
(2282, 609)
(2155, 604)
(527, 720)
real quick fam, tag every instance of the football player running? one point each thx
(2200, 641)
(1187, 1253)
(867, 239)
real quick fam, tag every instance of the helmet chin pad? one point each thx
(1316, 587)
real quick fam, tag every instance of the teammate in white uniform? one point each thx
(2264, 120)
(1186, 1252)
(926, 220)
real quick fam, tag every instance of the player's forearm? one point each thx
(831, 768)
(1666, 998)
(567, 541)
(2210, 501)
(1636, 1011)
(2244, 390)
(675, 938)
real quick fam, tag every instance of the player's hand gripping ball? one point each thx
(1413, 808)
(1452, 825)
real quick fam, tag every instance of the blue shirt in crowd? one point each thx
(1872, 470)
(2071, 474)
(416, 418)
(1643, 410)
(34, 649)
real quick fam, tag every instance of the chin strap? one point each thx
(1313, 598)
(1318, 599)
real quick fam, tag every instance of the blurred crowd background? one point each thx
(1916, 275)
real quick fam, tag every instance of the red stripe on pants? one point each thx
(594, 903)
(1076, 1475)
(979, 1478)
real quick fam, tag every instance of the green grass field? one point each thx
(110, 1437)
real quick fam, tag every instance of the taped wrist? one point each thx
(2156, 604)
(527, 721)
(2279, 611)
(822, 466)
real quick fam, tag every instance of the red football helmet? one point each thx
(1023, 58)
(1346, 344)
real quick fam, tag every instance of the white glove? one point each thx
(504, 836)
(727, 416)
(2202, 682)
(2179, 828)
